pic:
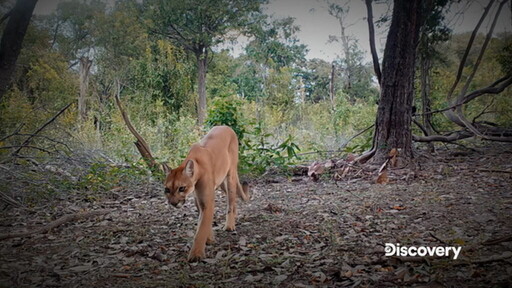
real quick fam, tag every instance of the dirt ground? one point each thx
(293, 233)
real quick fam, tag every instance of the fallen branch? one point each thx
(499, 240)
(319, 152)
(54, 224)
(141, 144)
(8, 200)
(356, 135)
(494, 258)
(365, 156)
(453, 136)
(415, 259)
(27, 146)
(495, 171)
(435, 237)
(13, 133)
(27, 141)
(465, 261)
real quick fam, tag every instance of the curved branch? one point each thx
(491, 89)
(141, 144)
(482, 51)
(356, 135)
(454, 136)
(423, 129)
(371, 31)
(468, 48)
(365, 156)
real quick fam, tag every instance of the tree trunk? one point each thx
(348, 57)
(12, 39)
(425, 66)
(371, 32)
(394, 114)
(85, 68)
(202, 66)
(331, 87)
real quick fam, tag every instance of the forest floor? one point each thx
(294, 232)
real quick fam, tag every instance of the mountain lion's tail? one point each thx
(243, 191)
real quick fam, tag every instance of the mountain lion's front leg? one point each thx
(211, 237)
(204, 228)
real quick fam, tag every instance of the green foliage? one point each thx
(221, 74)
(281, 92)
(226, 111)
(258, 150)
(198, 25)
(41, 87)
(103, 177)
(74, 24)
(258, 154)
(272, 96)
(490, 108)
(163, 74)
(276, 44)
(504, 56)
(358, 148)
(316, 76)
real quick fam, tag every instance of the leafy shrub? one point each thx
(226, 111)
(104, 177)
(257, 154)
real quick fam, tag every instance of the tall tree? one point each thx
(354, 75)
(394, 115)
(197, 26)
(277, 56)
(74, 23)
(434, 32)
(340, 12)
(12, 39)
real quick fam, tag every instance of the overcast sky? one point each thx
(316, 24)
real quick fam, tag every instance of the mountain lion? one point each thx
(210, 164)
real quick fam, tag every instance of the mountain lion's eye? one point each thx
(167, 191)
(181, 189)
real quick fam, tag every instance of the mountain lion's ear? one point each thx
(189, 168)
(165, 168)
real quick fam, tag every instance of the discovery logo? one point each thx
(397, 250)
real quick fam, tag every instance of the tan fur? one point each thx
(210, 164)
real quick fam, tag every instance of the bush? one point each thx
(226, 111)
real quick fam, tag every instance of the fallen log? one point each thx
(54, 224)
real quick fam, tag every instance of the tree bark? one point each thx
(12, 39)
(394, 115)
(85, 68)
(202, 66)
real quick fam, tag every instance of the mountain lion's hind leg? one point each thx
(231, 202)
